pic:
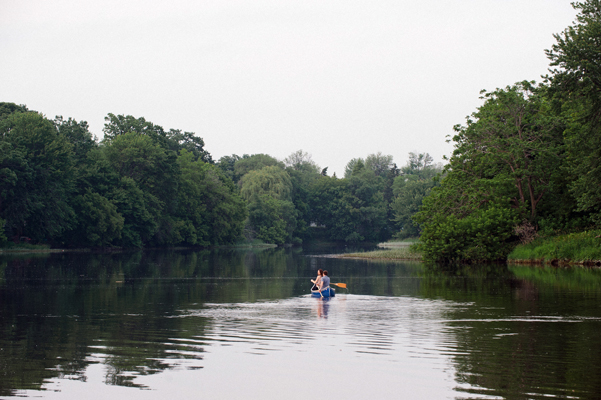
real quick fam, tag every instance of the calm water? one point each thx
(239, 324)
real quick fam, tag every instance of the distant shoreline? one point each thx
(117, 249)
(391, 251)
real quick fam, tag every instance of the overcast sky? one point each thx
(337, 78)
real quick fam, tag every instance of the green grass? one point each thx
(406, 240)
(248, 244)
(398, 244)
(11, 247)
(573, 247)
(401, 253)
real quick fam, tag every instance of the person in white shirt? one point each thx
(317, 281)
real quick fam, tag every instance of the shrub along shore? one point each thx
(581, 248)
(574, 248)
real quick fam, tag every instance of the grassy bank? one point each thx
(398, 244)
(30, 248)
(576, 248)
(25, 248)
(247, 244)
(395, 253)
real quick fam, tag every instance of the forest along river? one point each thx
(240, 324)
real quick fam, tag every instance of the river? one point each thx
(230, 324)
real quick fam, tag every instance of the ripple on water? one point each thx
(366, 324)
(393, 342)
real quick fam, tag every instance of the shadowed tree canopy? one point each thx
(141, 186)
(210, 211)
(226, 165)
(36, 165)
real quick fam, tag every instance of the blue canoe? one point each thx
(327, 292)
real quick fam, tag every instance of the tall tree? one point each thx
(351, 209)
(350, 166)
(379, 163)
(38, 166)
(501, 169)
(301, 161)
(303, 172)
(272, 214)
(99, 222)
(210, 211)
(79, 135)
(273, 181)
(418, 162)
(516, 133)
(576, 87)
(410, 188)
(148, 173)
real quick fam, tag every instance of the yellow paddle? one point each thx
(342, 285)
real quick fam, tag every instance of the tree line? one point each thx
(145, 186)
(528, 161)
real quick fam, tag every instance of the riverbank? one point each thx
(581, 248)
(28, 248)
(401, 251)
(35, 248)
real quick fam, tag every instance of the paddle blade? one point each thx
(342, 285)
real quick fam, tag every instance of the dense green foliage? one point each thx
(576, 90)
(37, 177)
(140, 186)
(527, 162)
(409, 189)
(145, 186)
(355, 208)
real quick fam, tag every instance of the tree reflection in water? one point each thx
(507, 331)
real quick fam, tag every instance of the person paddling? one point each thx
(317, 281)
(325, 282)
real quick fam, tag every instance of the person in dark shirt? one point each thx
(325, 281)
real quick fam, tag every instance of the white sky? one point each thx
(337, 78)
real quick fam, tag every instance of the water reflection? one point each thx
(519, 337)
(134, 319)
(322, 306)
